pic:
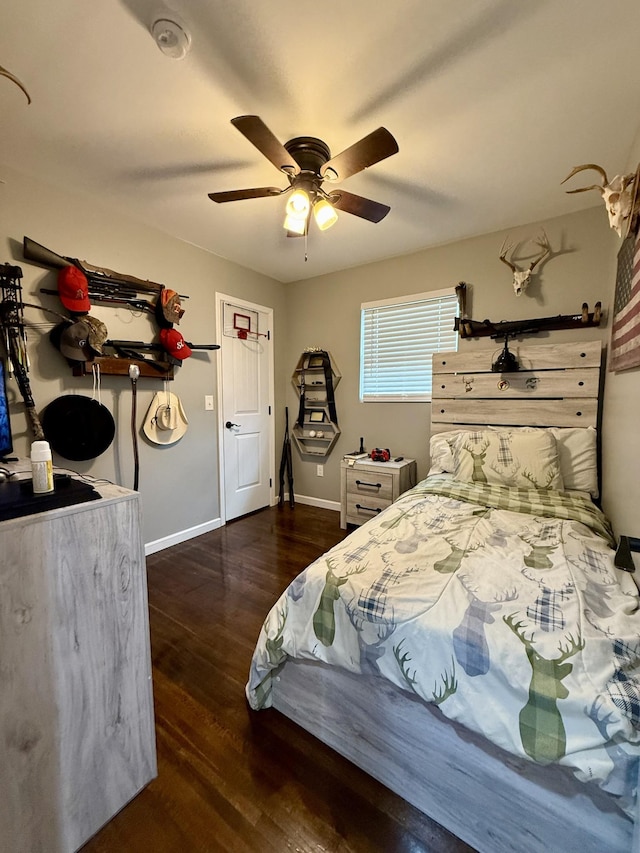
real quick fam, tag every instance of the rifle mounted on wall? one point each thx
(129, 298)
(101, 280)
(140, 345)
(468, 328)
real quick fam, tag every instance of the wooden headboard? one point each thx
(557, 386)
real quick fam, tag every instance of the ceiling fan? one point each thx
(307, 163)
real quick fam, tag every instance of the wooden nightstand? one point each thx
(367, 487)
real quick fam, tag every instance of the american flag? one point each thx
(625, 332)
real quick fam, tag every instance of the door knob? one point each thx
(229, 425)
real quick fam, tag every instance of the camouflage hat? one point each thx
(168, 308)
(98, 333)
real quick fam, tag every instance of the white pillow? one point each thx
(441, 454)
(577, 452)
(576, 446)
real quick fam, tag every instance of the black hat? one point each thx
(78, 427)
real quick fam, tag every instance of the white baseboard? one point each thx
(319, 502)
(181, 536)
(214, 524)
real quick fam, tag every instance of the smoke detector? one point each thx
(172, 38)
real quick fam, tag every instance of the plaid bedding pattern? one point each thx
(546, 611)
(372, 602)
(547, 503)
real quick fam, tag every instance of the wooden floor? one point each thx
(231, 779)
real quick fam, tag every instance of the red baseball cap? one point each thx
(174, 343)
(73, 289)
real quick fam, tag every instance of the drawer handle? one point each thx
(368, 508)
(372, 485)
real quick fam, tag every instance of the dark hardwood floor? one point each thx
(230, 779)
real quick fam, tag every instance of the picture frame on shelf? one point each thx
(316, 417)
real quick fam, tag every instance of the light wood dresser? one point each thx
(77, 734)
(367, 487)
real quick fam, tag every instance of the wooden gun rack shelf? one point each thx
(119, 366)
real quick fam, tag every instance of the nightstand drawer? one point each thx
(361, 508)
(367, 487)
(374, 484)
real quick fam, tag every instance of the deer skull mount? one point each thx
(618, 195)
(522, 278)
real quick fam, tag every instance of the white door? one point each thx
(245, 397)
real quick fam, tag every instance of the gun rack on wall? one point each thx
(111, 365)
(108, 287)
(316, 429)
(468, 328)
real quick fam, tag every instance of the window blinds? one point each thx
(397, 340)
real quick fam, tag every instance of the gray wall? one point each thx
(322, 312)
(325, 312)
(179, 484)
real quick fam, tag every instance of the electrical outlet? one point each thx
(208, 402)
(320, 470)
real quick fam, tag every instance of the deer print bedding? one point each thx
(501, 605)
(508, 458)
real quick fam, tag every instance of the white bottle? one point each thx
(41, 467)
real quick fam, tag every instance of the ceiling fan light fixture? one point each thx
(299, 204)
(172, 38)
(295, 224)
(324, 214)
(307, 163)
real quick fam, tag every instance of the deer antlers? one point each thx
(10, 76)
(573, 644)
(624, 180)
(617, 193)
(521, 278)
(543, 243)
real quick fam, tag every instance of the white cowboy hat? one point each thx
(165, 421)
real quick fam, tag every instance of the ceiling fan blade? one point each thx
(257, 132)
(377, 146)
(365, 208)
(238, 195)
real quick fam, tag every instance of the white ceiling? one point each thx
(492, 103)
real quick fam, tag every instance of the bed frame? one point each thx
(490, 799)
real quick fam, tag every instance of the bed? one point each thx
(473, 646)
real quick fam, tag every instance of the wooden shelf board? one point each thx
(116, 366)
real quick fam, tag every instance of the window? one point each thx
(397, 339)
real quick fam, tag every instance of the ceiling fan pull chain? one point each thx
(306, 256)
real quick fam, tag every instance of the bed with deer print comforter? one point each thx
(501, 605)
